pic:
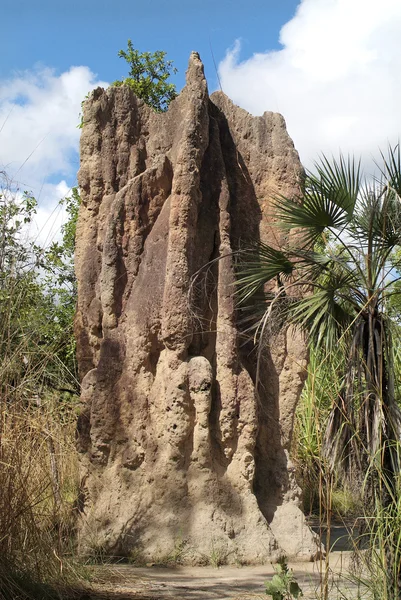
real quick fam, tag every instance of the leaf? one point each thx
(272, 591)
(278, 582)
(391, 169)
(295, 590)
(328, 201)
(148, 75)
(261, 263)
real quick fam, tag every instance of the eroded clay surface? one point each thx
(177, 444)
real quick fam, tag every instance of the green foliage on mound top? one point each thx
(148, 75)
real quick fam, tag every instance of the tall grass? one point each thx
(38, 480)
(372, 510)
(319, 393)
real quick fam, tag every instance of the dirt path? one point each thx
(124, 582)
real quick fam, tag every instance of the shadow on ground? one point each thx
(125, 582)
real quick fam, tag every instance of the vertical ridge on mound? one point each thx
(176, 442)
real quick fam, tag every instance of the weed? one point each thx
(218, 554)
(283, 585)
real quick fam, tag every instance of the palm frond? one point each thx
(377, 220)
(328, 201)
(391, 168)
(339, 180)
(312, 217)
(260, 264)
(327, 312)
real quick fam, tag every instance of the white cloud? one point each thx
(39, 138)
(51, 215)
(336, 80)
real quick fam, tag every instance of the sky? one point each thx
(331, 67)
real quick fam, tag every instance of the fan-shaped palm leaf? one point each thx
(260, 264)
(328, 201)
(391, 169)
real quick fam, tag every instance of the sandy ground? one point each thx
(224, 583)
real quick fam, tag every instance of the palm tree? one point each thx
(333, 278)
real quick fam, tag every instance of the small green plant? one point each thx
(178, 553)
(218, 554)
(148, 75)
(283, 585)
(176, 556)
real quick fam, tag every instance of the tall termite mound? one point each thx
(177, 444)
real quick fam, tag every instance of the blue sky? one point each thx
(331, 67)
(61, 34)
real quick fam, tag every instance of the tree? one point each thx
(60, 285)
(148, 75)
(18, 285)
(37, 299)
(334, 279)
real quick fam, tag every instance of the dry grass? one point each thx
(39, 484)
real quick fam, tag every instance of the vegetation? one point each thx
(38, 466)
(283, 585)
(148, 75)
(38, 376)
(61, 286)
(334, 279)
(38, 293)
